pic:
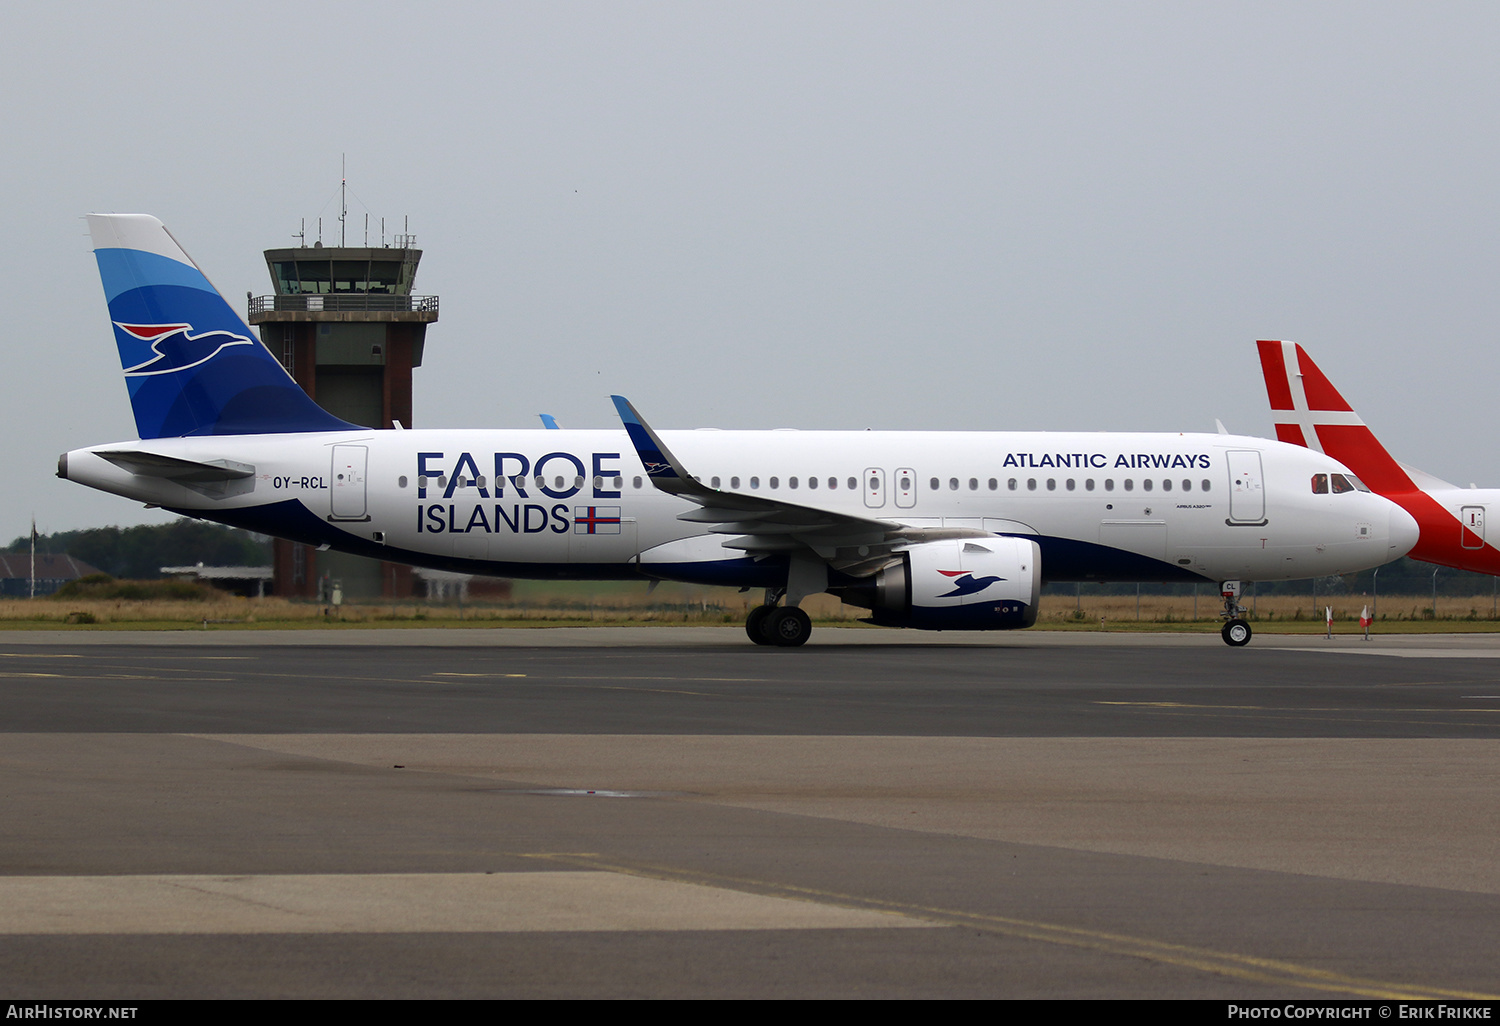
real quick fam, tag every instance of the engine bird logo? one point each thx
(967, 583)
(176, 347)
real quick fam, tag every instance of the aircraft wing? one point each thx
(760, 525)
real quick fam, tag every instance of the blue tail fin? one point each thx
(191, 364)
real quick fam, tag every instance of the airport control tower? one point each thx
(345, 324)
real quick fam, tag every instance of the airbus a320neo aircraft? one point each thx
(1310, 411)
(935, 530)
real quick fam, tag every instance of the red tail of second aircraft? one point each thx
(1310, 412)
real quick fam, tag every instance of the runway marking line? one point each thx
(1181, 705)
(1223, 963)
(447, 673)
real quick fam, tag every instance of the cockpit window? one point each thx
(1358, 484)
(1341, 484)
(1320, 484)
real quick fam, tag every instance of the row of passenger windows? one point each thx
(791, 482)
(1088, 484)
(603, 483)
(1320, 483)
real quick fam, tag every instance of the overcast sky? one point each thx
(924, 215)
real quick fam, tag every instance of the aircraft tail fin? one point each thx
(192, 365)
(1310, 412)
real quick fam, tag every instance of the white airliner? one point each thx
(1310, 411)
(934, 530)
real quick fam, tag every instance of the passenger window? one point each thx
(1051, 484)
(933, 484)
(1012, 484)
(1031, 484)
(1129, 484)
(1205, 484)
(994, 484)
(791, 482)
(1187, 485)
(734, 482)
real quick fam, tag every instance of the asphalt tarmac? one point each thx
(660, 812)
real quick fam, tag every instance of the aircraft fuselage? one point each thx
(1116, 506)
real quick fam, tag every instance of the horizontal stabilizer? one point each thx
(216, 478)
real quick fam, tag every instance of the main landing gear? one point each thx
(1236, 630)
(784, 626)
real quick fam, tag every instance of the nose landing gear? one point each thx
(1236, 630)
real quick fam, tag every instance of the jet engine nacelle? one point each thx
(960, 584)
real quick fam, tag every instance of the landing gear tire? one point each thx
(789, 627)
(1236, 632)
(755, 624)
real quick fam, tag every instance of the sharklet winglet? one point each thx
(665, 470)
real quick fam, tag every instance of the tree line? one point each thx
(139, 553)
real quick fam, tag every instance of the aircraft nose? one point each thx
(1403, 531)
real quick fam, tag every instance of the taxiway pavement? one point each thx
(673, 812)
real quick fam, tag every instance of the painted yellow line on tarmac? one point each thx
(448, 673)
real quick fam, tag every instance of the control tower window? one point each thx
(385, 276)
